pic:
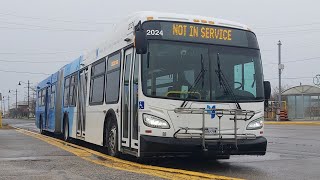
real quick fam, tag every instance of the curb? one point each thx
(293, 123)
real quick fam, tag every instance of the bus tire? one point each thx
(41, 125)
(112, 138)
(65, 130)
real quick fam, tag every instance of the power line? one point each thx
(47, 29)
(289, 78)
(37, 53)
(33, 62)
(298, 60)
(24, 72)
(292, 32)
(56, 20)
(289, 26)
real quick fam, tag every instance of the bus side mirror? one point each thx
(267, 89)
(267, 92)
(140, 40)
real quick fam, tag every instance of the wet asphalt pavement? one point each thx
(24, 157)
(293, 153)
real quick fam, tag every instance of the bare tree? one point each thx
(275, 92)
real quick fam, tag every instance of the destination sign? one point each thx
(199, 33)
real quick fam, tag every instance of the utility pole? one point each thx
(4, 106)
(16, 103)
(280, 68)
(8, 105)
(2, 100)
(28, 99)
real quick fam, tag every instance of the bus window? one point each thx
(113, 79)
(244, 77)
(73, 90)
(39, 98)
(43, 96)
(53, 95)
(66, 91)
(97, 82)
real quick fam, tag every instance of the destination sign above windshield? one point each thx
(199, 33)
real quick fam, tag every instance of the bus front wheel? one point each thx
(112, 139)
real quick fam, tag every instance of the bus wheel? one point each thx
(66, 131)
(41, 126)
(112, 139)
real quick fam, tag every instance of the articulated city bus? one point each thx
(163, 84)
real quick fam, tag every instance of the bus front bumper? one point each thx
(163, 146)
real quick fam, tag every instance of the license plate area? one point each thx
(211, 131)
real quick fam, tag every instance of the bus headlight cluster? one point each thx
(255, 124)
(155, 122)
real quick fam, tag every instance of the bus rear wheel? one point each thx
(66, 131)
(112, 139)
(41, 126)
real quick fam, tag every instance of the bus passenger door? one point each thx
(134, 102)
(47, 108)
(126, 107)
(82, 94)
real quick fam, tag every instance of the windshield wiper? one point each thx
(199, 77)
(224, 83)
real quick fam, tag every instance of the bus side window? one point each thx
(53, 95)
(39, 98)
(73, 90)
(97, 82)
(44, 97)
(113, 78)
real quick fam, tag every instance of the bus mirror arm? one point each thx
(140, 39)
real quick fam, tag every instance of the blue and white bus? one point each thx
(163, 84)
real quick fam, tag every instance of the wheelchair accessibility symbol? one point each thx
(211, 110)
(141, 104)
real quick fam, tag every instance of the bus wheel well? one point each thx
(110, 116)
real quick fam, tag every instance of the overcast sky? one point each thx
(56, 31)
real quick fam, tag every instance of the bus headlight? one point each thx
(255, 124)
(155, 122)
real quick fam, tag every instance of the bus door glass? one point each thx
(47, 107)
(134, 93)
(82, 86)
(126, 102)
(51, 104)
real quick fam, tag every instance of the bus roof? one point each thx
(151, 15)
(124, 30)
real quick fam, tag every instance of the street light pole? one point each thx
(280, 68)
(28, 83)
(4, 106)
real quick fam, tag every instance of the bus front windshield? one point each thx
(178, 70)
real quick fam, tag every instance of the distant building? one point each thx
(303, 102)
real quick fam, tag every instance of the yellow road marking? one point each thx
(111, 162)
(308, 123)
